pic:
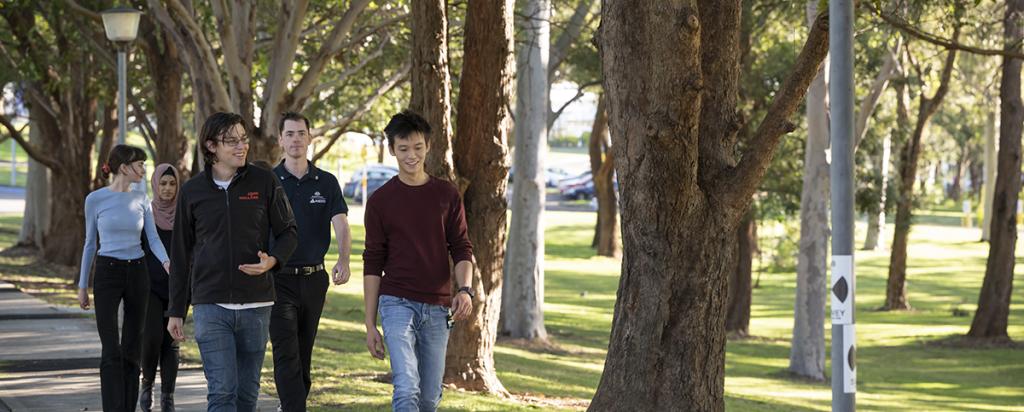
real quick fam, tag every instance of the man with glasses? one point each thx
(233, 228)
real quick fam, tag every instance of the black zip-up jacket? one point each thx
(216, 230)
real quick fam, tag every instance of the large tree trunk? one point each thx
(876, 219)
(523, 295)
(807, 351)
(36, 220)
(994, 300)
(481, 157)
(673, 115)
(989, 181)
(431, 85)
(69, 184)
(166, 71)
(737, 319)
(896, 288)
(602, 167)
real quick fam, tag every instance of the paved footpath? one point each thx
(50, 356)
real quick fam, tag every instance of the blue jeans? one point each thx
(232, 344)
(416, 335)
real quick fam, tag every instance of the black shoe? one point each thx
(167, 402)
(146, 396)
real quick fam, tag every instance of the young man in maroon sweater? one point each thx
(414, 223)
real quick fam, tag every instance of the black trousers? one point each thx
(116, 281)
(293, 324)
(158, 347)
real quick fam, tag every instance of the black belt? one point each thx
(301, 270)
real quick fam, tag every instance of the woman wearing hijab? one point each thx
(158, 348)
(117, 216)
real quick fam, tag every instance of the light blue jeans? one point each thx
(232, 344)
(416, 335)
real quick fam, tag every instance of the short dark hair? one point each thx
(404, 124)
(123, 154)
(216, 125)
(294, 116)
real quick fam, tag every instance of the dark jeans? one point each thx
(158, 347)
(232, 344)
(293, 325)
(115, 281)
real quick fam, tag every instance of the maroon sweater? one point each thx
(410, 233)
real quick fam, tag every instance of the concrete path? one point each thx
(49, 360)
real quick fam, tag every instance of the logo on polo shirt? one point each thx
(316, 198)
(250, 196)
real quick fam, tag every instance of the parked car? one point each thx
(376, 176)
(573, 181)
(583, 190)
(356, 188)
(552, 175)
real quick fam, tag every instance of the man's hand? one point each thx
(374, 343)
(83, 298)
(255, 269)
(341, 273)
(174, 327)
(462, 306)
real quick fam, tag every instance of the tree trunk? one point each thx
(737, 320)
(595, 153)
(807, 352)
(35, 223)
(523, 294)
(876, 219)
(958, 173)
(989, 182)
(481, 157)
(166, 71)
(602, 167)
(673, 115)
(994, 300)
(896, 288)
(109, 127)
(607, 207)
(431, 86)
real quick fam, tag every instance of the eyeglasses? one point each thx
(235, 141)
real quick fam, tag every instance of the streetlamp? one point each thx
(121, 25)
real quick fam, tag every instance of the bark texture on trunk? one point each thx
(481, 159)
(994, 300)
(673, 114)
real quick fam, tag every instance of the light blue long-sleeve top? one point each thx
(118, 218)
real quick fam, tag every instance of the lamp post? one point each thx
(121, 25)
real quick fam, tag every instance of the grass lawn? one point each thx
(900, 364)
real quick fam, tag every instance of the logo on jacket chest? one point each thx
(317, 199)
(250, 196)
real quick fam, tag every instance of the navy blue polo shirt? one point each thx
(315, 199)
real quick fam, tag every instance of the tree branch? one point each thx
(913, 31)
(741, 182)
(286, 41)
(553, 116)
(350, 71)
(867, 106)
(77, 8)
(399, 77)
(328, 50)
(572, 31)
(35, 153)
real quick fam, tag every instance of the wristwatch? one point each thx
(468, 290)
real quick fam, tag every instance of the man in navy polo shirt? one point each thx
(302, 284)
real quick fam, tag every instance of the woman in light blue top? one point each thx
(117, 216)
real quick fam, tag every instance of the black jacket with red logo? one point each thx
(215, 230)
